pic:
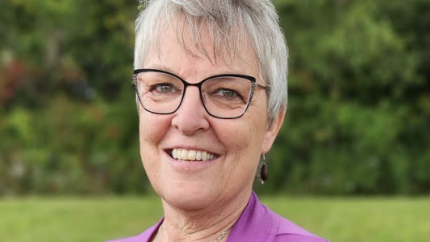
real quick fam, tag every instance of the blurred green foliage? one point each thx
(357, 121)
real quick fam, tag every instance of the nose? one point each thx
(191, 116)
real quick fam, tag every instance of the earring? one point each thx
(264, 173)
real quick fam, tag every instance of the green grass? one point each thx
(97, 219)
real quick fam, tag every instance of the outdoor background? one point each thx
(355, 141)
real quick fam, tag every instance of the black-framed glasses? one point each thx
(225, 96)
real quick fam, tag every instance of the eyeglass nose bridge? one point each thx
(199, 88)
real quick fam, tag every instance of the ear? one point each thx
(272, 131)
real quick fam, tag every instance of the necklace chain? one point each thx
(218, 239)
(221, 236)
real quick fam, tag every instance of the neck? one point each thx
(204, 225)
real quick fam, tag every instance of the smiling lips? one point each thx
(192, 155)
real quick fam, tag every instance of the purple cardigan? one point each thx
(256, 224)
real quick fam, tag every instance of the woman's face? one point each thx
(236, 144)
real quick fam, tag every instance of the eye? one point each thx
(163, 88)
(227, 93)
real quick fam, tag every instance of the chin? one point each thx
(189, 197)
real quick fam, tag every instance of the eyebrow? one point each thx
(168, 69)
(161, 67)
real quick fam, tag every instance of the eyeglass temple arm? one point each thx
(133, 80)
(267, 88)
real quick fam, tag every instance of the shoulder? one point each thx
(143, 237)
(288, 231)
(297, 238)
(259, 223)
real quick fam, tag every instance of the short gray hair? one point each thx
(256, 20)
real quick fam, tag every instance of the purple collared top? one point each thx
(256, 224)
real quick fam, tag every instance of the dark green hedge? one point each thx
(358, 115)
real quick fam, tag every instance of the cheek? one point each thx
(243, 140)
(152, 129)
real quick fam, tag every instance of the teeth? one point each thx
(184, 154)
(192, 155)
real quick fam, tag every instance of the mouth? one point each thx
(191, 155)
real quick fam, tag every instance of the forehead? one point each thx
(178, 49)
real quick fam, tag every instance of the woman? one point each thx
(211, 92)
